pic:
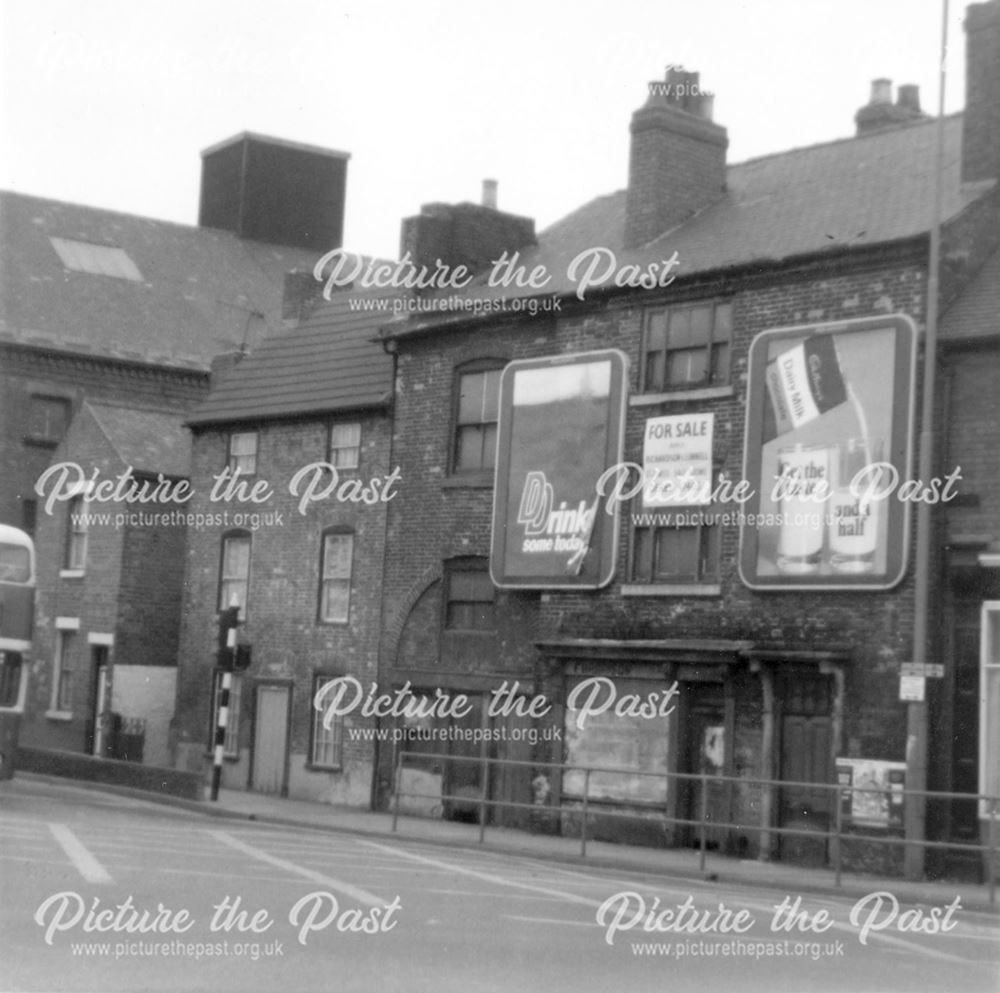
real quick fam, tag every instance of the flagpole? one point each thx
(915, 817)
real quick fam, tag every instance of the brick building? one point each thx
(306, 418)
(119, 318)
(781, 668)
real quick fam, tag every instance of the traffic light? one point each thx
(229, 620)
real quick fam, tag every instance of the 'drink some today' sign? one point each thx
(678, 450)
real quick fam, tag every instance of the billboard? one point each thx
(828, 443)
(561, 426)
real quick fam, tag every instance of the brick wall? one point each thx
(24, 372)
(437, 516)
(288, 641)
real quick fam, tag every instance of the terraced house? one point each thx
(775, 638)
(109, 324)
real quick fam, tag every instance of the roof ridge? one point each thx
(904, 125)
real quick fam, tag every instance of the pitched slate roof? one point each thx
(200, 292)
(846, 193)
(330, 362)
(975, 315)
(149, 441)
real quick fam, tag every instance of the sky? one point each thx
(110, 102)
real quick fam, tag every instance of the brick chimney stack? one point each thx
(464, 234)
(677, 163)
(981, 121)
(880, 113)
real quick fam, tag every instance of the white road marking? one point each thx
(550, 920)
(79, 855)
(485, 876)
(363, 896)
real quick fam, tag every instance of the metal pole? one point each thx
(915, 816)
(704, 816)
(220, 733)
(583, 823)
(839, 821)
(993, 846)
(395, 791)
(483, 799)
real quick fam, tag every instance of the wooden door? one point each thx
(270, 745)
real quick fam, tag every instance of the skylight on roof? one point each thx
(99, 260)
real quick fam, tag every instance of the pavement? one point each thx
(669, 862)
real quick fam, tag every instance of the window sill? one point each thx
(312, 767)
(682, 396)
(672, 589)
(39, 442)
(72, 573)
(469, 481)
(59, 715)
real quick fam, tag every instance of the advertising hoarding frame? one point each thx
(900, 452)
(608, 525)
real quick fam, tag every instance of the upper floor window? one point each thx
(234, 572)
(243, 452)
(686, 347)
(668, 554)
(345, 445)
(335, 583)
(48, 418)
(470, 597)
(76, 535)
(476, 420)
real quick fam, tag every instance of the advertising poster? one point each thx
(828, 442)
(876, 797)
(461, 500)
(560, 429)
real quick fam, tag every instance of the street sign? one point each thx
(912, 688)
(930, 670)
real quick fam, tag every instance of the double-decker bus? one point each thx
(17, 614)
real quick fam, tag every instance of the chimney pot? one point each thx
(490, 193)
(908, 96)
(881, 91)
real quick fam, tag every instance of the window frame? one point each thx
(47, 438)
(63, 671)
(77, 537)
(224, 597)
(708, 572)
(231, 743)
(663, 383)
(317, 731)
(466, 564)
(341, 531)
(331, 450)
(232, 458)
(476, 367)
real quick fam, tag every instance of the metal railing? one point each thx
(835, 836)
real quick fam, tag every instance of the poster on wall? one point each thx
(561, 426)
(872, 793)
(828, 446)
(677, 460)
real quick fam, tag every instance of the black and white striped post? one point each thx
(229, 620)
